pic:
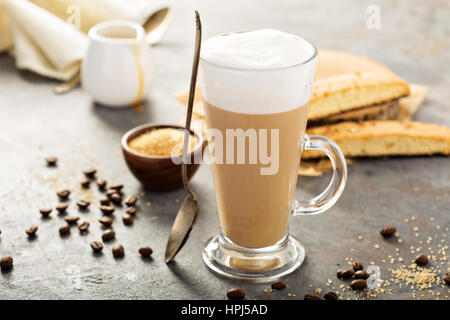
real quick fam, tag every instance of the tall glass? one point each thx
(256, 121)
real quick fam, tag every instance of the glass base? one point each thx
(262, 264)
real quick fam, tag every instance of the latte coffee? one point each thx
(259, 84)
(254, 208)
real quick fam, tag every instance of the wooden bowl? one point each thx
(159, 173)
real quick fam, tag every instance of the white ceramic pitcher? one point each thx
(117, 70)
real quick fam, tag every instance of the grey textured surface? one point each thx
(413, 40)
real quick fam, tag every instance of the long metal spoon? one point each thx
(188, 213)
(155, 27)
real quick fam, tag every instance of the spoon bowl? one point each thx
(157, 24)
(182, 227)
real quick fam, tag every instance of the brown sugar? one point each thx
(161, 142)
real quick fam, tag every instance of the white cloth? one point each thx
(49, 36)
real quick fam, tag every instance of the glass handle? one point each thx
(333, 191)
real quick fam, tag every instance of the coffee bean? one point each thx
(101, 184)
(71, 219)
(131, 211)
(278, 285)
(45, 212)
(357, 266)
(145, 251)
(6, 263)
(108, 235)
(90, 173)
(84, 226)
(131, 201)
(116, 187)
(447, 278)
(97, 246)
(106, 221)
(358, 284)
(116, 198)
(51, 161)
(85, 183)
(388, 231)
(62, 207)
(311, 297)
(330, 296)
(421, 259)
(64, 230)
(345, 274)
(107, 209)
(83, 204)
(236, 294)
(127, 219)
(63, 194)
(361, 274)
(31, 231)
(118, 251)
(110, 192)
(105, 202)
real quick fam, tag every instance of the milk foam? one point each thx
(260, 49)
(257, 72)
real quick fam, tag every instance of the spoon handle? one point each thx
(68, 85)
(198, 40)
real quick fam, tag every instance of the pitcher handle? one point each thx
(333, 191)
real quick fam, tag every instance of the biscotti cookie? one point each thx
(384, 138)
(338, 94)
(383, 111)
